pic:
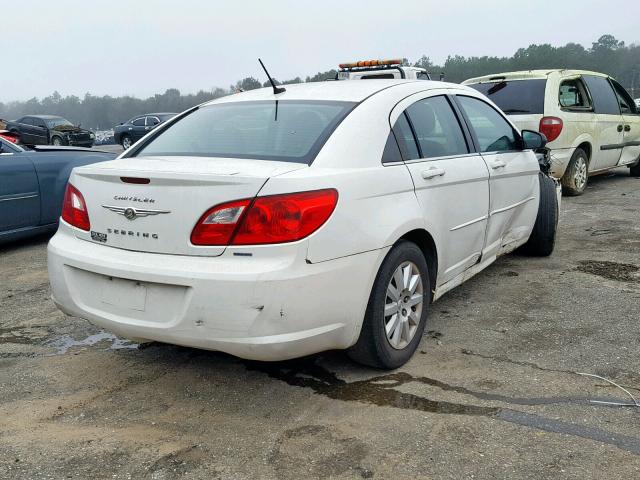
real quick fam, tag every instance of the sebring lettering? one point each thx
(130, 233)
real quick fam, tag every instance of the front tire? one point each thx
(396, 314)
(56, 141)
(574, 181)
(543, 237)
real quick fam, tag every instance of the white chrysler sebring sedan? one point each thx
(276, 225)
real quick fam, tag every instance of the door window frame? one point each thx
(466, 133)
(579, 109)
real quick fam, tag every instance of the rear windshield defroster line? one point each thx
(284, 130)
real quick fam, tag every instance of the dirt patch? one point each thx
(622, 272)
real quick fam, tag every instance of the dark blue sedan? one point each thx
(129, 132)
(32, 184)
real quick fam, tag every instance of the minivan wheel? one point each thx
(574, 180)
(126, 142)
(543, 237)
(396, 314)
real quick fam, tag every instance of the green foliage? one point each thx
(607, 55)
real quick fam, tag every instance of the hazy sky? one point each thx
(142, 47)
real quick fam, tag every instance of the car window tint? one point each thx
(515, 97)
(436, 128)
(138, 122)
(285, 130)
(602, 94)
(573, 94)
(151, 121)
(26, 121)
(627, 104)
(391, 151)
(38, 122)
(405, 138)
(493, 132)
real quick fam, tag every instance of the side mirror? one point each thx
(533, 140)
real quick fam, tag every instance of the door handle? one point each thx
(498, 164)
(627, 128)
(130, 128)
(619, 128)
(432, 172)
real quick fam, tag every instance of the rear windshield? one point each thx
(515, 97)
(285, 130)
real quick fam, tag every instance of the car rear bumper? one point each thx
(560, 158)
(271, 306)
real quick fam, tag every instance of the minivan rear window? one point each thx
(515, 97)
(284, 130)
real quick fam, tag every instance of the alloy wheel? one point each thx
(403, 305)
(126, 143)
(580, 177)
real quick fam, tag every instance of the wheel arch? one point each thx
(588, 149)
(424, 240)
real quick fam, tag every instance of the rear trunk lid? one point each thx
(159, 216)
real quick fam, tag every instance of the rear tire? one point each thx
(402, 289)
(543, 237)
(126, 142)
(574, 181)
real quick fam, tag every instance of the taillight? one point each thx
(217, 224)
(551, 127)
(270, 219)
(74, 209)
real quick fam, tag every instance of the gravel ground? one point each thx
(492, 392)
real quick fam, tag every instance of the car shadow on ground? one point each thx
(35, 241)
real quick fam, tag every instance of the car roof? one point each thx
(44, 117)
(354, 91)
(530, 75)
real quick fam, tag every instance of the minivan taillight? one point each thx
(74, 209)
(270, 219)
(551, 127)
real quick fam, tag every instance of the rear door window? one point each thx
(139, 122)
(604, 98)
(515, 97)
(436, 128)
(493, 133)
(406, 140)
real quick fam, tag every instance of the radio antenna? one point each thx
(276, 89)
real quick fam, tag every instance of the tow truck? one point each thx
(370, 69)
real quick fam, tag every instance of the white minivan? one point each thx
(591, 122)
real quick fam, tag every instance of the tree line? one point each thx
(607, 55)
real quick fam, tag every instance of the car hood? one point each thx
(70, 129)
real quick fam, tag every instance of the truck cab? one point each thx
(374, 69)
